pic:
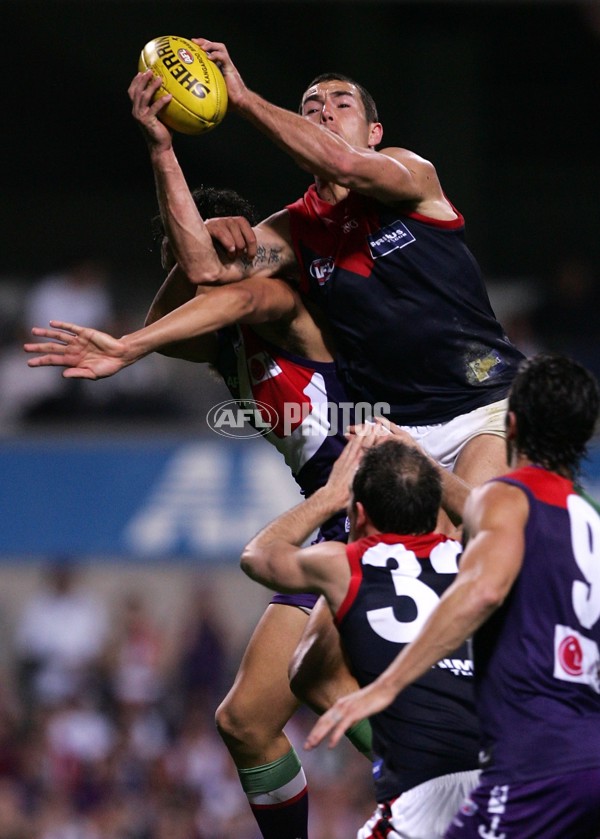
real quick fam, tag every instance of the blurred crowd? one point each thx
(83, 292)
(107, 732)
(556, 312)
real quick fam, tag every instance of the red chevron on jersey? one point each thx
(282, 384)
(306, 397)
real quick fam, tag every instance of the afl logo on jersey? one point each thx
(321, 269)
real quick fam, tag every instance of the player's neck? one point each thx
(330, 192)
(521, 460)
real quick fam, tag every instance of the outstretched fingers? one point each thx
(53, 357)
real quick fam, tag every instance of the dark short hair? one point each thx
(212, 202)
(365, 97)
(556, 402)
(399, 488)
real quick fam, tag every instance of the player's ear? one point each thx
(361, 518)
(375, 134)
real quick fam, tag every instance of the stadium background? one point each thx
(503, 97)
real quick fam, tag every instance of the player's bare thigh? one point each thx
(260, 702)
(482, 458)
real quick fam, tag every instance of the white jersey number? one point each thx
(585, 541)
(444, 559)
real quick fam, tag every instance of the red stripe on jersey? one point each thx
(354, 552)
(547, 487)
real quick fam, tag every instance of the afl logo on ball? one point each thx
(185, 57)
(570, 656)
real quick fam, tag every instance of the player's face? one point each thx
(338, 107)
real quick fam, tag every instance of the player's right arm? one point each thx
(242, 251)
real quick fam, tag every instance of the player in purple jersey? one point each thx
(528, 588)
(380, 588)
(268, 348)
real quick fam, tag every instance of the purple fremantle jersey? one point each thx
(537, 660)
(430, 729)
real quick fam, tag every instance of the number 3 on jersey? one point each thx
(405, 577)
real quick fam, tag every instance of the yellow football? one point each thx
(195, 82)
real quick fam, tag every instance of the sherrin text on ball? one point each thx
(195, 82)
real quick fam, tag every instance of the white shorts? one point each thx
(444, 441)
(423, 812)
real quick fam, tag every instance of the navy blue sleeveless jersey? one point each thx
(430, 729)
(537, 660)
(408, 307)
(307, 399)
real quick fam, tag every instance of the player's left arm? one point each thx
(495, 518)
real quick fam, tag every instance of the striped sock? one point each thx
(278, 797)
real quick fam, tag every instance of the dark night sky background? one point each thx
(503, 98)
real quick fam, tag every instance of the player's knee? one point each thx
(230, 723)
(241, 730)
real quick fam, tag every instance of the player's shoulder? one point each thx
(407, 157)
(277, 224)
(496, 501)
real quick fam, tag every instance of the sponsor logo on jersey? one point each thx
(480, 369)
(457, 666)
(468, 807)
(390, 238)
(576, 658)
(570, 656)
(262, 366)
(321, 269)
(249, 418)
